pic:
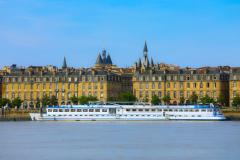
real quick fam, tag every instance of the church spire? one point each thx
(64, 63)
(99, 59)
(145, 49)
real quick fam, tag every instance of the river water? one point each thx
(171, 140)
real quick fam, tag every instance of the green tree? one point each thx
(17, 102)
(127, 97)
(222, 100)
(74, 100)
(166, 99)
(53, 101)
(193, 98)
(155, 100)
(236, 101)
(206, 100)
(4, 102)
(145, 99)
(182, 100)
(92, 99)
(45, 101)
(38, 102)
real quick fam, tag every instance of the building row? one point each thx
(106, 81)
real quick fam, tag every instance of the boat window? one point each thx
(175, 110)
(210, 110)
(79, 110)
(60, 110)
(66, 110)
(134, 110)
(72, 110)
(90, 110)
(197, 110)
(180, 110)
(170, 110)
(104, 110)
(191, 110)
(159, 110)
(85, 110)
(146, 110)
(55, 110)
(153, 110)
(185, 110)
(127, 110)
(49, 110)
(97, 110)
(165, 110)
(140, 110)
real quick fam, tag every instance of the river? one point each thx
(165, 140)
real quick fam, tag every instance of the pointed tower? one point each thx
(152, 63)
(104, 56)
(139, 63)
(145, 50)
(109, 60)
(64, 66)
(99, 59)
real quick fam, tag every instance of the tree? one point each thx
(166, 99)
(38, 103)
(45, 101)
(86, 100)
(17, 102)
(53, 101)
(92, 99)
(182, 100)
(127, 97)
(74, 100)
(4, 102)
(222, 100)
(145, 99)
(193, 98)
(155, 100)
(236, 101)
(207, 100)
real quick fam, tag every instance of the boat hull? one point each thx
(44, 117)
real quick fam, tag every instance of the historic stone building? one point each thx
(234, 83)
(104, 81)
(157, 79)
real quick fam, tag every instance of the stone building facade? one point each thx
(104, 81)
(157, 79)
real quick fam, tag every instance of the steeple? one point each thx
(64, 63)
(109, 60)
(152, 63)
(104, 56)
(145, 49)
(139, 63)
(99, 59)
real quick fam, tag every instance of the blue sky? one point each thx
(183, 32)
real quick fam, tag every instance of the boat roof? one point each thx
(132, 106)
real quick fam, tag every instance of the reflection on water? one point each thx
(119, 140)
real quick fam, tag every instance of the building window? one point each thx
(159, 85)
(208, 85)
(159, 94)
(147, 86)
(201, 85)
(195, 85)
(168, 85)
(153, 85)
(181, 85)
(188, 85)
(175, 85)
(175, 94)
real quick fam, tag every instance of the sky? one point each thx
(192, 33)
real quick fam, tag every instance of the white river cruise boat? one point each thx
(137, 112)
